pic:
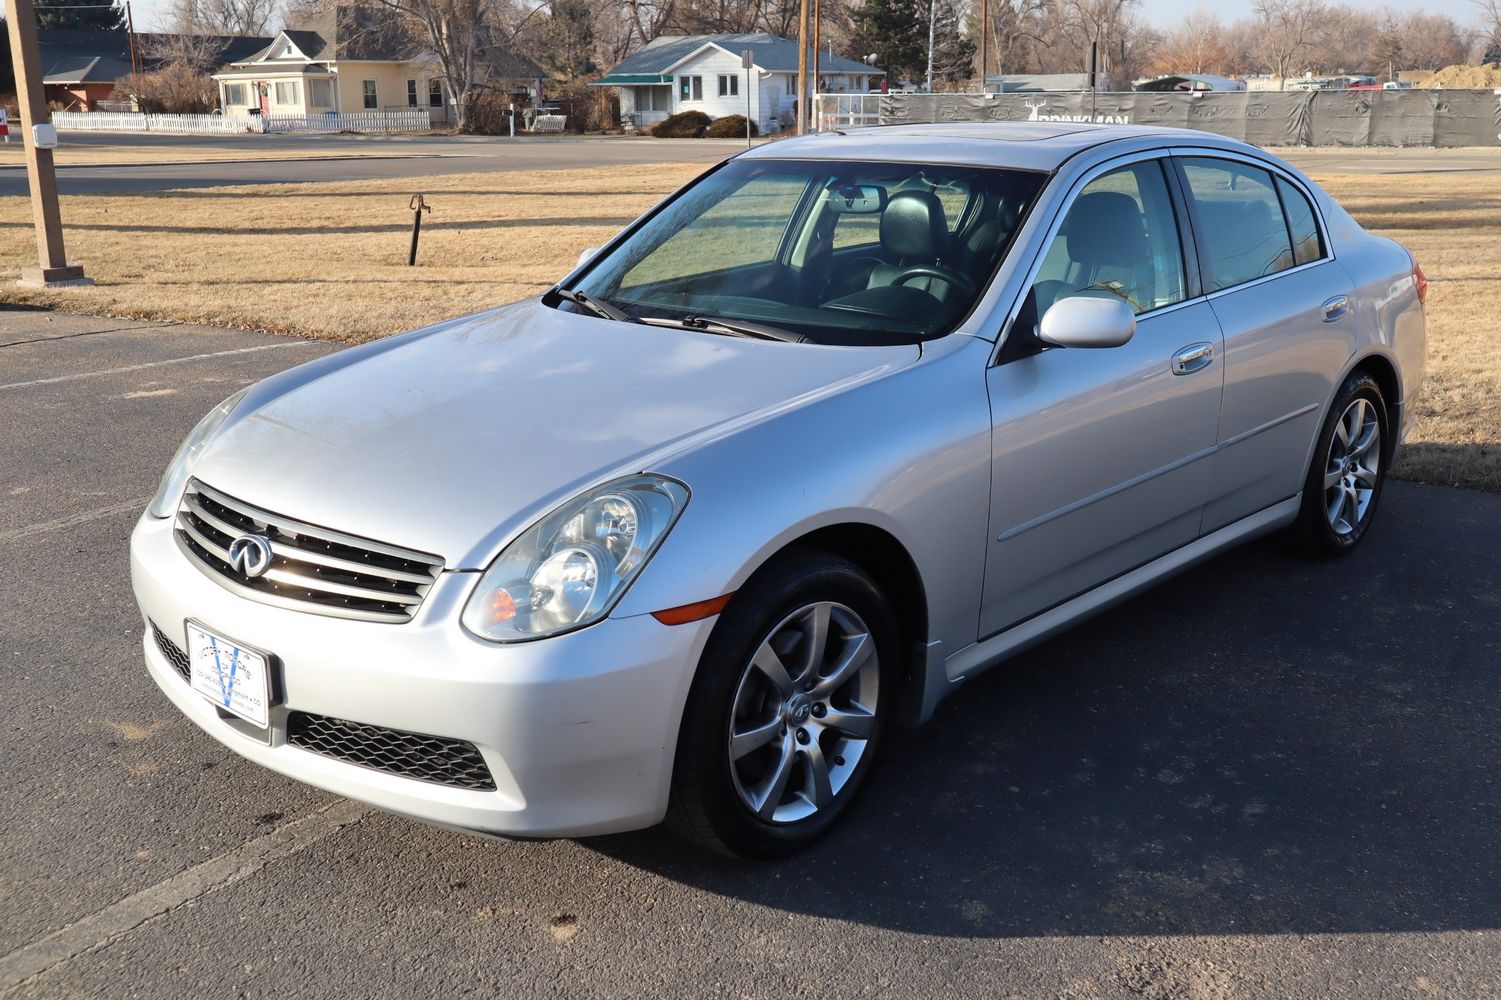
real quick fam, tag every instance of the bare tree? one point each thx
(221, 17)
(1287, 32)
(1196, 45)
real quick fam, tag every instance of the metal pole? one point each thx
(984, 42)
(802, 68)
(932, 28)
(40, 173)
(1094, 62)
(813, 97)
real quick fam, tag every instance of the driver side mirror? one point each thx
(585, 254)
(1085, 321)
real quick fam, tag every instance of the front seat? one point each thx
(1108, 252)
(913, 231)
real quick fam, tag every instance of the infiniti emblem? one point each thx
(250, 554)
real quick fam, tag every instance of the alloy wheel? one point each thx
(1353, 466)
(804, 713)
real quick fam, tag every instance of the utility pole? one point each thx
(932, 26)
(984, 42)
(802, 69)
(54, 268)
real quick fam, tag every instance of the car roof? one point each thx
(1024, 145)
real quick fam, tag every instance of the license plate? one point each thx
(233, 677)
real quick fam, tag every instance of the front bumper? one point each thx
(578, 731)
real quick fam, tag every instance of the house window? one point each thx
(320, 93)
(370, 101)
(235, 95)
(791, 84)
(435, 93)
(691, 88)
(286, 93)
(411, 93)
(729, 85)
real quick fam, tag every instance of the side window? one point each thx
(1119, 238)
(1240, 221)
(1302, 223)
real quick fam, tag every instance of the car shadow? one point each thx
(1264, 744)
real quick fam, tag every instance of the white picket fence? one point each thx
(406, 120)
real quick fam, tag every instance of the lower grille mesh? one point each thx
(171, 650)
(411, 755)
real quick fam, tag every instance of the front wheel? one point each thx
(786, 711)
(1349, 469)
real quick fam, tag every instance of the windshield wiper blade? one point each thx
(731, 328)
(598, 307)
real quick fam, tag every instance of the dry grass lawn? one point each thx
(328, 260)
(12, 154)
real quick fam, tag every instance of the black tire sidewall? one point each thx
(1313, 517)
(705, 798)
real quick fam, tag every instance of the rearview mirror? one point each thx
(1085, 321)
(856, 199)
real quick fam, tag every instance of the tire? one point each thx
(1348, 471)
(742, 730)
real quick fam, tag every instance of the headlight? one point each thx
(568, 570)
(170, 491)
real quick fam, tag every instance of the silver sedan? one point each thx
(837, 427)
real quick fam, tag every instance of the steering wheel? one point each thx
(938, 271)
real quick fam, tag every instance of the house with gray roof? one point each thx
(79, 68)
(358, 57)
(703, 73)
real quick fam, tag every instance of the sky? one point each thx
(1163, 13)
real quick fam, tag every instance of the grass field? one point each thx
(329, 260)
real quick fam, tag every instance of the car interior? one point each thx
(838, 253)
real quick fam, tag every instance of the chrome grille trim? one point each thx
(314, 569)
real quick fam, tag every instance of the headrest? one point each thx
(1105, 229)
(913, 225)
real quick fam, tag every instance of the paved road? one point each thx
(379, 157)
(412, 156)
(1268, 778)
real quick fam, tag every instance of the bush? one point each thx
(683, 125)
(730, 127)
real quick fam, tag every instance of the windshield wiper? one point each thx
(597, 307)
(730, 328)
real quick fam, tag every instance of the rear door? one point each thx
(1285, 308)
(1100, 458)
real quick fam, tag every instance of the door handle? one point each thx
(1194, 357)
(1336, 307)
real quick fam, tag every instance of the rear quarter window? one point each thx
(1240, 223)
(1308, 244)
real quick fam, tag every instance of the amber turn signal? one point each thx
(693, 612)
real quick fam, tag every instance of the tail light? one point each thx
(1420, 281)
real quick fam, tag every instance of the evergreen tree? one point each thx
(80, 15)
(897, 32)
(568, 49)
(1493, 50)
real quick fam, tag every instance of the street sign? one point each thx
(747, 59)
(4, 126)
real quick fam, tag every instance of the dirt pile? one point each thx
(1466, 77)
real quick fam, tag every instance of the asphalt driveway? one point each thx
(1268, 777)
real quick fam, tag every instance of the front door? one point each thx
(1101, 457)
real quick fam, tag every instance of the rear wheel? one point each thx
(1349, 469)
(784, 717)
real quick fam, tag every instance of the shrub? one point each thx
(730, 127)
(683, 125)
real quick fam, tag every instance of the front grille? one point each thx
(411, 755)
(172, 651)
(312, 569)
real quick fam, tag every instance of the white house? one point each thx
(703, 73)
(356, 58)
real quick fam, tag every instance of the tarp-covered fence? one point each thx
(1310, 118)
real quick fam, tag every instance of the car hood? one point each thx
(450, 441)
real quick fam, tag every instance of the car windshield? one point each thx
(829, 252)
